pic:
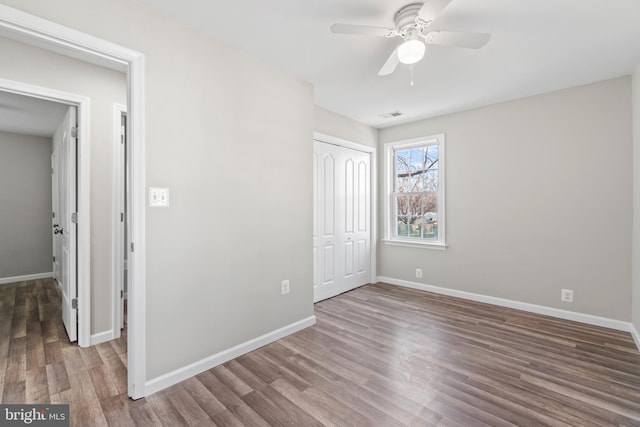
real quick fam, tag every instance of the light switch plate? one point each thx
(158, 197)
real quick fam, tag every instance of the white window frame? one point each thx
(390, 237)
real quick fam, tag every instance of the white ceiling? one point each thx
(536, 46)
(29, 116)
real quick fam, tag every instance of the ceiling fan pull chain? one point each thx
(411, 69)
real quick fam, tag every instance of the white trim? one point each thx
(118, 208)
(136, 260)
(35, 31)
(54, 37)
(532, 308)
(321, 137)
(82, 104)
(26, 277)
(636, 336)
(101, 337)
(389, 235)
(439, 246)
(181, 374)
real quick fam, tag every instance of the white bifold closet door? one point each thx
(341, 221)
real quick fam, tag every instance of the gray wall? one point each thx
(339, 126)
(636, 201)
(231, 137)
(104, 87)
(25, 205)
(539, 198)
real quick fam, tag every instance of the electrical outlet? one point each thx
(566, 295)
(284, 289)
(418, 273)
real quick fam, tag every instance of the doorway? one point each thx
(74, 267)
(54, 37)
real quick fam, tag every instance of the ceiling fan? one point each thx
(412, 25)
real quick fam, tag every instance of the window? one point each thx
(414, 203)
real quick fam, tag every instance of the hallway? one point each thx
(37, 362)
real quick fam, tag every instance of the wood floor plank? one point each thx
(116, 411)
(203, 397)
(57, 377)
(14, 392)
(228, 378)
(319, 412)
(230, 400)
(88, 413)
(278, 410)
(35, 345)
(226, 419)
(166, 413)
(141, 412)
(36, 385)
(187, 406)
(102, 382)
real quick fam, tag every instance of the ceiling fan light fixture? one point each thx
(411, 51)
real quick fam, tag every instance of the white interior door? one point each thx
(65, 151)
(122, 183)
(56, 241)
(342, 219)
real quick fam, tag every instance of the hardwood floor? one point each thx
(378, 356)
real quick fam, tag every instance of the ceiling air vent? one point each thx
(390, 115)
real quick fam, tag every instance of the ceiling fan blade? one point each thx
(431, 9)
(391, 64)
(451, 38)
(364, 30)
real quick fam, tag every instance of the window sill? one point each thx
(439, 246)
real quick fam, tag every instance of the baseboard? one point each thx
(636, 336)
(5, 280)
(102, 337)
(532, 308)
(195, 368)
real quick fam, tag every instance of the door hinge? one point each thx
(121, 216)
(131, 246)
(53, 214)
(54, 259)
(74, 132)
(74, 217)
(51, 171)
(121, 294)
(74, 303)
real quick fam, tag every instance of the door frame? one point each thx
(328, 139)
(33, 30)
(118, 225)
(83, 247)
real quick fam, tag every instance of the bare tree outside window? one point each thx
(416, 185)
